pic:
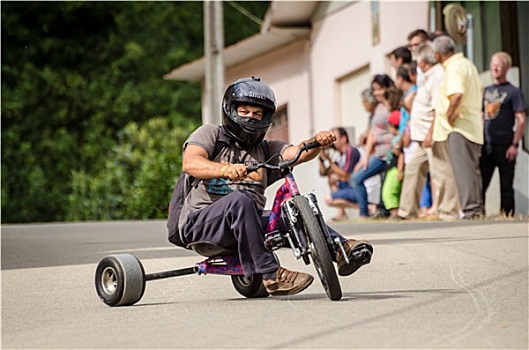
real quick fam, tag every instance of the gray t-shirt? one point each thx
(207, 192)
(382, 136)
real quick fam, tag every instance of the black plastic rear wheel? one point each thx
(319, 250)
(250, 287)
(120, 280)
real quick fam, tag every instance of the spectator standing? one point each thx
(370, 103)
(405, 83)
(373, 184)
(422, 160)
(504, 105)
(458, 120)
(342, 170)
(401, 55)
(395, 158)
(377, 146)
(415, 39)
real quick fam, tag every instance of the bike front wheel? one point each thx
(319, 251)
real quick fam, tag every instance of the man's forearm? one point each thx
(369, 145)
(451, 112)
(520, 127)
(203, 168)
(323, 169)
(339, 171)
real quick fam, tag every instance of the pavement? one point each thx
(430, 285)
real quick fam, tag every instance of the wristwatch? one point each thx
(515, 144)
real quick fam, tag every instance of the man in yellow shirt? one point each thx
(459, 121)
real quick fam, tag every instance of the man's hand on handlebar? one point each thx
(325, 138)
(235, 172)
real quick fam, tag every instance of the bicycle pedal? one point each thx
(274, 240)
(362, 254)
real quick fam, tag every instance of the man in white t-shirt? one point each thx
(416, 39)
(422, 160)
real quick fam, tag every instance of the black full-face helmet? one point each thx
(252, 91)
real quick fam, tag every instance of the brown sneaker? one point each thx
(359, 254)
(288, 282)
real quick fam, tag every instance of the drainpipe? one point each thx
(470, 38)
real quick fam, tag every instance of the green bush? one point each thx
(138, 176)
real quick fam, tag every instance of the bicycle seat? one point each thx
(209, 249)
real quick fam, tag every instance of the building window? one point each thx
(279, 129)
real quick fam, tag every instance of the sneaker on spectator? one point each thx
(446, 217)
(288, 282)
(473, 216)
(359, 254)
(380, 215)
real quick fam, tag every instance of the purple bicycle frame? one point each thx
(287, 190)
(230, 264)
(221, 265)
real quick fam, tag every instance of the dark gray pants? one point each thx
(235, 223)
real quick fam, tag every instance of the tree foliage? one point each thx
(137, 178)
(80, 82)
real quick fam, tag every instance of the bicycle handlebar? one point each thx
(287, 163)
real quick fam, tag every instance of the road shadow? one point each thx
(303, 297)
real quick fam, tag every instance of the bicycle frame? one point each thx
(283, 205)
(286, 191)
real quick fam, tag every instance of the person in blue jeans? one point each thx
(378, 143)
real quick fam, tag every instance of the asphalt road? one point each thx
(430, 285)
